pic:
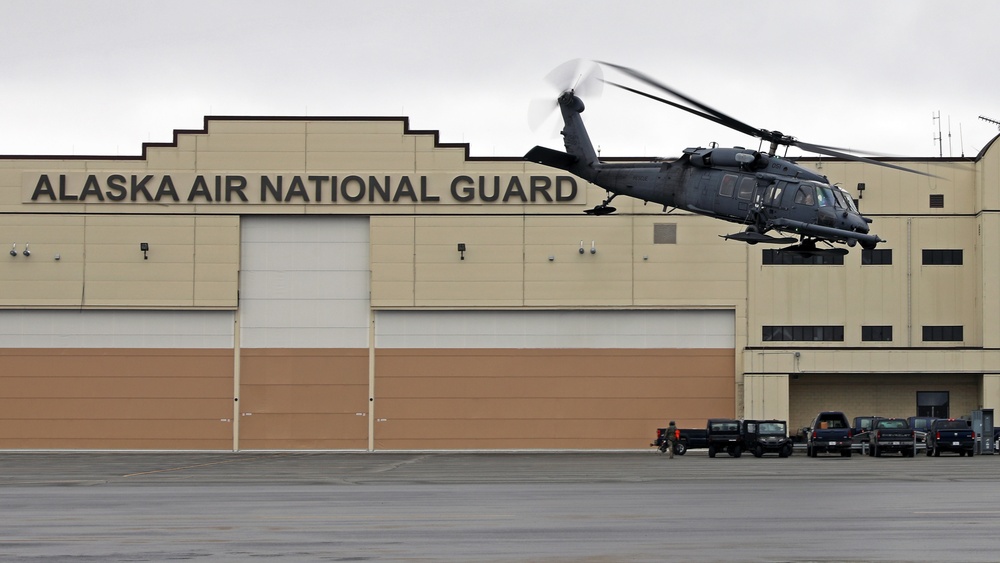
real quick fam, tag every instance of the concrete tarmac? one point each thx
(495, 507)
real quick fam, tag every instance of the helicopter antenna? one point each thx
(993, 121)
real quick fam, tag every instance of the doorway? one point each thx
(933, 403)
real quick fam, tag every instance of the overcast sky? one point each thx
(102, 77)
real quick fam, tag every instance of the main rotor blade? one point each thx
(701, 114)
(719, 117)
(832, 151)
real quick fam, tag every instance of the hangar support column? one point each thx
(765, 396)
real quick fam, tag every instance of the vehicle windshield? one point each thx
(771, 428)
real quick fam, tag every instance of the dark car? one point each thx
(724, 435)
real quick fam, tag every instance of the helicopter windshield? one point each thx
(839, 195)
(848, 200)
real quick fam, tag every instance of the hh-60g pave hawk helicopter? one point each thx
(760, 190)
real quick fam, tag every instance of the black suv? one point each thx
(724, 434)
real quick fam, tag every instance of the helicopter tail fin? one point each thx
(574, 132)
(580, 157)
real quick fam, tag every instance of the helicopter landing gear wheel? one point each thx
(603, 208)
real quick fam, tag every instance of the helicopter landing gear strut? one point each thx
(603, 208)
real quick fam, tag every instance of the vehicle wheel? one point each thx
(875, 452)
(971, 453)
(758, 451)
(813, 452)
(785, 451)
(711, 450)
(961, 453)
(680, 448)
(737, 451)
(937, 452)
(845, 453)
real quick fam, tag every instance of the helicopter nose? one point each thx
(858, 224)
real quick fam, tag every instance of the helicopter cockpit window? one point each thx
(839, 196)
(746, 188)
(806, 195)
(728, 185)
(824, 196)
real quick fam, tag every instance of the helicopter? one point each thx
(775, 198)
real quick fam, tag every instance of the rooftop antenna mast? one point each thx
(938, 138)
(993, 121)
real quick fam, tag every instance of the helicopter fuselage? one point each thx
(737, 185)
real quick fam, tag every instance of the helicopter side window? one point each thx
(773, 196)
(806, 195)
(747, 185)
(728, 185)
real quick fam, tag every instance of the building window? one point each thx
(665, 233)
(771, 257)
(876, 333)
(937, 201)
(943, 334)
(876, 257)
(942, 257)
(803, 334)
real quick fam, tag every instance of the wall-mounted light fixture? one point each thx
(593, 247)
(144, 247)
(861, 190)
(13, 249)
(461, 249)
(581, 247)
(26, 252)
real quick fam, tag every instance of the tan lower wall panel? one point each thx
(878, 394)
(122, 362)
(537, 398)
(304, 432)
(116, 399)
(303, 399)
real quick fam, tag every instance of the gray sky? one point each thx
(102, 77)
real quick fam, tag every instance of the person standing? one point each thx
(673, 436)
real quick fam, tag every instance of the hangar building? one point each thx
(352, 284)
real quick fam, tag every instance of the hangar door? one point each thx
(547, 379)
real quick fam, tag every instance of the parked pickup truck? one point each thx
(951, 436)
(921, 425)
(691, 438)
(831, 432)
(724, 435)
(766, 436)
(891, 435)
